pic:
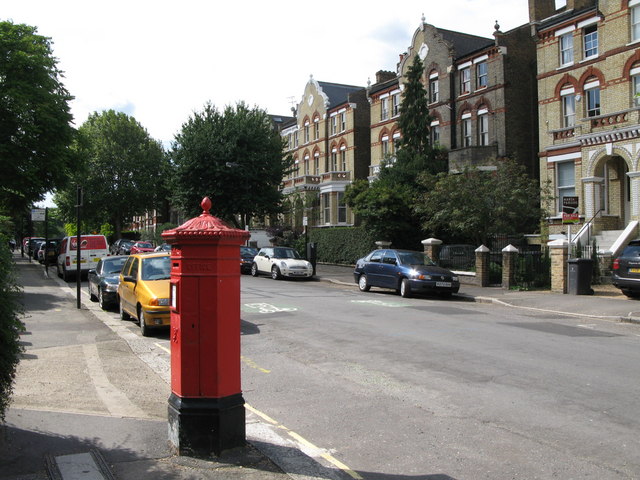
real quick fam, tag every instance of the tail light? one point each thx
(616, 264)
(67, 261)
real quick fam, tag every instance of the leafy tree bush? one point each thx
(235, 157)
(121, 168)
(10, 325)
(477, 205)
(385, 206)
(35, 118)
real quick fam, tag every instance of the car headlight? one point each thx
(161, 302)
(111, 287)
(283, 264)
(455, 279)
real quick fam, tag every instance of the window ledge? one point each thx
(589, 59)
(566, 65)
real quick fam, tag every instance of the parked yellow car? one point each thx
(143, 291)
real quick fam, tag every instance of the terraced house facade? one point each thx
(481, 92)
(329, 142)
(482, 95)
(588, 58)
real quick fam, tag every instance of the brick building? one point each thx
(482, 97)
(588, 84)
(329, 142)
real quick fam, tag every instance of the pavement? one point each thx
(90, 396)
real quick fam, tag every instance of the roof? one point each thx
(464, 43)
(378, 87)
(338, 93)
(563, 17)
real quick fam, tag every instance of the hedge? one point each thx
(341, 245)
(10, 325)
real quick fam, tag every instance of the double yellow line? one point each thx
(334, 461)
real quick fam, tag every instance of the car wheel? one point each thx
(144, 329)
(65, 275)
(101, 302)
(630, 293)
(123, 315)
(254, 270)
(92, 297)
(363, 283)
(275, 273)
(405, 288)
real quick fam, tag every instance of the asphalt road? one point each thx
(424, 388)
(429, 388)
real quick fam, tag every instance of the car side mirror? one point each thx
(129, 278)
(91, 272)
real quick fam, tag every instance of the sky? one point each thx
(160, 61)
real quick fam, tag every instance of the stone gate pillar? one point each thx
(559, 252)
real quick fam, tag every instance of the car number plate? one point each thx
(443, 284)
(634, 270)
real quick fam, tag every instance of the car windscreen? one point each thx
(285, 253)
(156, 268)
(144, 245)
(248, 251)
(414, 258)
(631, 251)
(113, 265)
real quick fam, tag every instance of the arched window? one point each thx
(466, 129)
(483, 126)
(634, 75)
(568, 98)
(592, 96)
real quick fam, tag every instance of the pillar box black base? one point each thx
(202, 427)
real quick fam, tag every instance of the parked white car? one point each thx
(281, 262)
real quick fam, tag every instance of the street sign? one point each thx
(570, 210)
(38, 214)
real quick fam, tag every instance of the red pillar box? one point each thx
(206, 408)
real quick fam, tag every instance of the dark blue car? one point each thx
(405, 271)
(103, 280)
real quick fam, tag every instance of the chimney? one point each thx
(383, 76)
(541, 9)
(580, 4)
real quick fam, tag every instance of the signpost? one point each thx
(570, 215)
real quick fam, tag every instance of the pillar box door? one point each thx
(206, 408)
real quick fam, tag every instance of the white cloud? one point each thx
(161, 60)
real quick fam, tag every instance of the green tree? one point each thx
(122, 172)
(386, 206)
(476, 204)
(415, 152)
(234, 157)
(385, 212)
(35, 121)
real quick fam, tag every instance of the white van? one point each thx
(92, 249)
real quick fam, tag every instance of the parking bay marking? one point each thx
(382, 303)
(265, 308)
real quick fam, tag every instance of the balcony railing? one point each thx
(304, 182)
(564, 133)
(608, 120)
(340, 176)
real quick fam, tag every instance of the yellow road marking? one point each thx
(163, 348)
(253, 364)
(306, 443)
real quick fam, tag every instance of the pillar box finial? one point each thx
(206, 205)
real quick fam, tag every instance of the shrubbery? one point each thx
(10, 325)
(342, 245)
